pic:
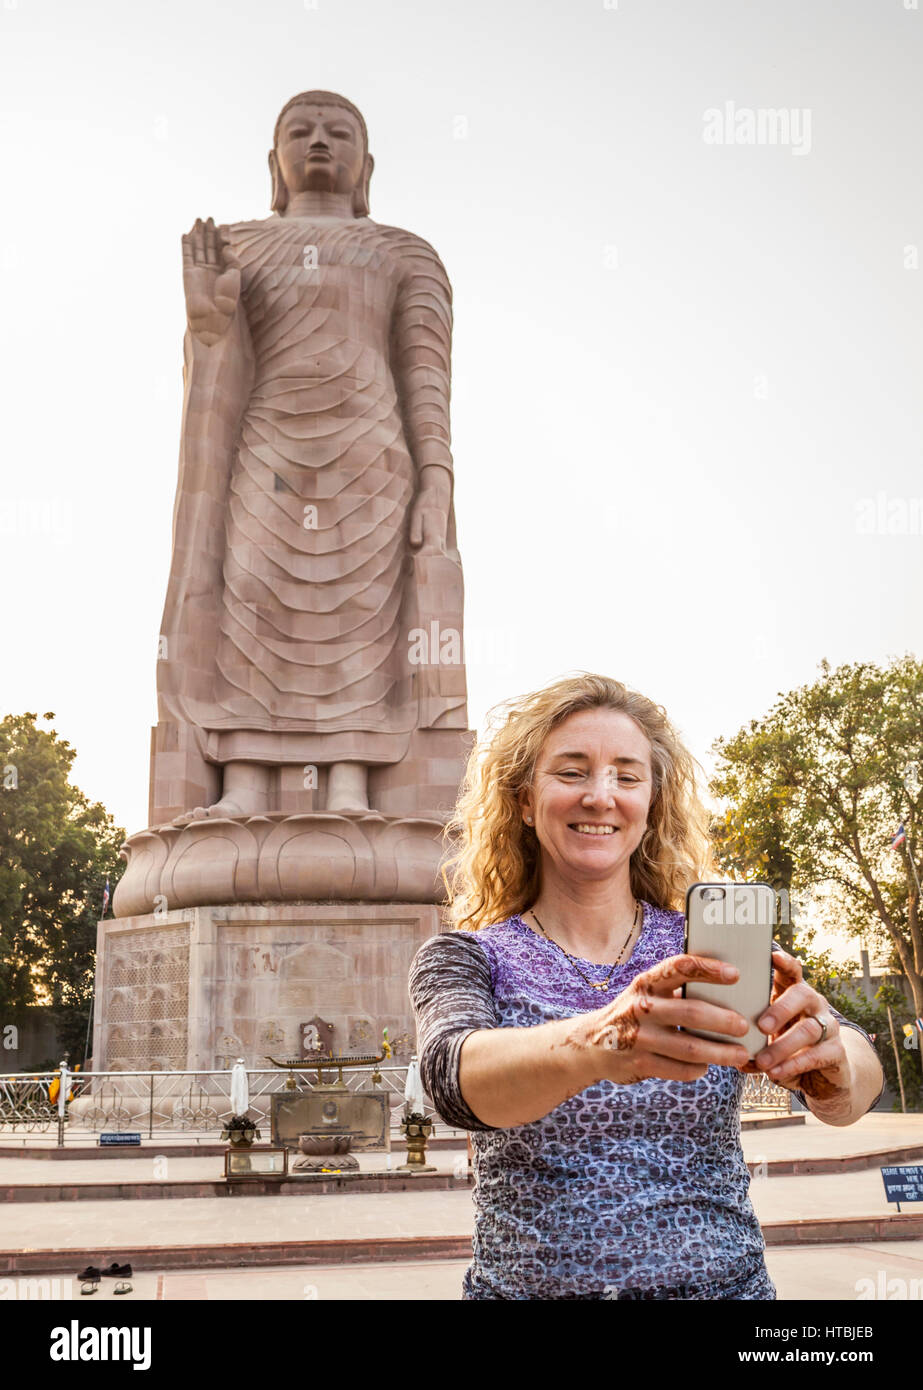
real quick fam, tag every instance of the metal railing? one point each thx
(762, 1093)
(170, 1102)
(198, 1102)
(24, 1102)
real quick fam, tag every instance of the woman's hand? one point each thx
(211, 281)
(635, 1036)
(796, 1057)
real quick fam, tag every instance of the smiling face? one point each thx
(590, 795)
(320, 147)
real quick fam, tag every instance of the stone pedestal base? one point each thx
(318, 1163)
(199, 987)
(354, 857)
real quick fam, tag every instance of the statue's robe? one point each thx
(293, 588)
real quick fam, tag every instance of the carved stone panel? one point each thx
(145, 1001)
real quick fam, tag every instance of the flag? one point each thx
(900, 837)
(105, 897)
(919, 1023)
(413, 1090)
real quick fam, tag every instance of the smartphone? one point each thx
(733, 922)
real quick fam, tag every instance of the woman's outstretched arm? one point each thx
(479, 1075)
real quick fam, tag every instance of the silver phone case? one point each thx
(739, 930)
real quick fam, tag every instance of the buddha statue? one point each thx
(314, 531)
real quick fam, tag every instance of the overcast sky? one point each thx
(687, 356)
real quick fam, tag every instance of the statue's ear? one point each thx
(279, 187)
(361, 195)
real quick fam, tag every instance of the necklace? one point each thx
(592, 983)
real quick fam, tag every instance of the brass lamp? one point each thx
(417, 1129)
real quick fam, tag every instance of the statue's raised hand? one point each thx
(211, 280)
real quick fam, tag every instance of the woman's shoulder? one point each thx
(466, 950)
(451, 961)
(448, 947)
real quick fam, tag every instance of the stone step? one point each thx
(239, 1255)
(228, 1255)
(179, 1148)
(839, 1163)
(317, 1184)
(392, 1180)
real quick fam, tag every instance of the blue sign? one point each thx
(125, 1138)
(903, 1183)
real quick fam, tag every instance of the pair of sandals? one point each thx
(89, 1279)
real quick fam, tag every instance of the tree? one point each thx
(56, 851)
(816, 791)
(749, 841)
(832, 981)
(894, 1010)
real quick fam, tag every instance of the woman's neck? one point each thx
(592, 921)
(314, 202)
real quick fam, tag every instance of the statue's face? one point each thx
(320, 147)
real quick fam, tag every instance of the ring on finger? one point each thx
(823, 1024)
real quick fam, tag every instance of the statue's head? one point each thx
(320, 142)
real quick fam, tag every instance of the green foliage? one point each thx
(815, 790)
(910, 1058)
(56, 851)
(829, 979)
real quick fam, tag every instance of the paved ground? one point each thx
(893, 1269)
(815, 1272)
(838, 1271)
(814, 1139)
(810, 1140)
(80, 1225)
(335, 1216)
(830, 1194)
(211, 1220)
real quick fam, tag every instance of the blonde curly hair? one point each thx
(496, 869)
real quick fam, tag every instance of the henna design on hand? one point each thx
(814, 1083)
(624, 1031)
(820, 1088)
(626, 1024)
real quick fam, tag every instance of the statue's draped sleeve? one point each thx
(216, 386)
(421, 352)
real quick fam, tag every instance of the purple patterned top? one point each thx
(623, 1191)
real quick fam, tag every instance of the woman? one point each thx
(607, 1143)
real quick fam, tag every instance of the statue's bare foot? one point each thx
(232, 806)
(347, 790)
(247, 791)
(227, 806)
